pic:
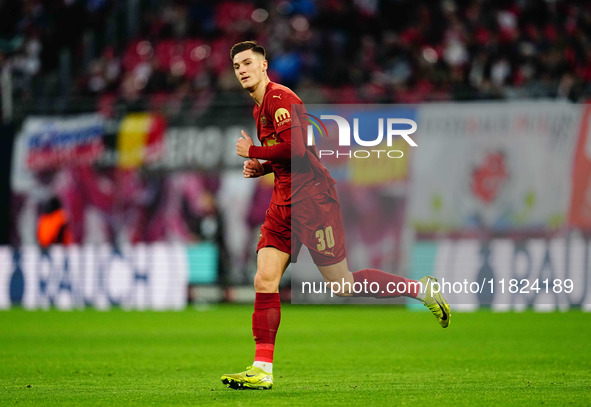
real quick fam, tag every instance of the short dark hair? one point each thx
(246, 45)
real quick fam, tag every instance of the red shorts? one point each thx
(314, 222)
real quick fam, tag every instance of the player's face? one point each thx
(250, 68)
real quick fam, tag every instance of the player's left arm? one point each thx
(253, 168)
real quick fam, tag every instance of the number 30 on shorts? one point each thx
(325, 238)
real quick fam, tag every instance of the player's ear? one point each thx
(265, 65)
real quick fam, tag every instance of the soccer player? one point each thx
(304, 210)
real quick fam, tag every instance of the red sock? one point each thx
(265, 321)
(388, 285)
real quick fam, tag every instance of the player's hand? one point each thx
(252, 168)
(243, 145)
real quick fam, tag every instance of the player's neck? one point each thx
(258, 92)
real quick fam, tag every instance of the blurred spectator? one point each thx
(53, 225)
(403, 51)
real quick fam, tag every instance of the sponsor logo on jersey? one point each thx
(282, 115)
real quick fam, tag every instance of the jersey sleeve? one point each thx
(282, 107)
(291, 146)
(267, 167)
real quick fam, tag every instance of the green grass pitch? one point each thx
(325, 355)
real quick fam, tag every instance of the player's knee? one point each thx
(263, 283)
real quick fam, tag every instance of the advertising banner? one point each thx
(546, 274)
(52, 143)
(580, 203)
(496, 167)
(154, 276)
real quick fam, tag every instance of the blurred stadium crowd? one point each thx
(353, 51)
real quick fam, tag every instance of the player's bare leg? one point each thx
(271, 264)
(340, 275)
(388, 286)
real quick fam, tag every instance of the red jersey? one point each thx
(281, 129)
